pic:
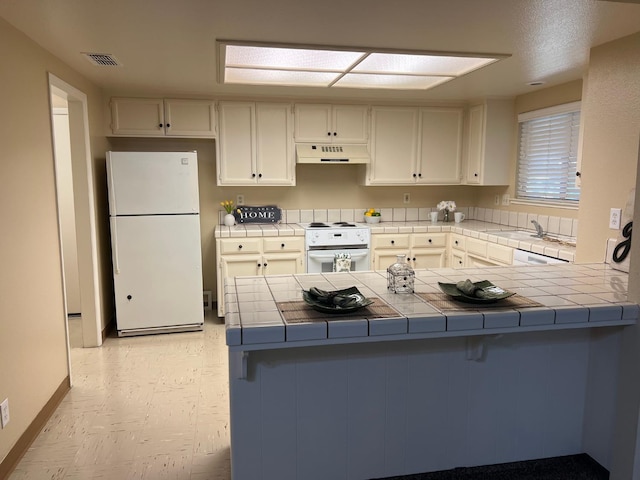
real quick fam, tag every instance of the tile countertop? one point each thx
(470, 228)
(572, 296)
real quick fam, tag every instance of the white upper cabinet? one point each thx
(255, 144)
(157, 117)
(412, 146)
(394, 145)
(319, 123)
(491, 143)
(440, 150)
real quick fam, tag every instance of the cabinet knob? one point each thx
(168, 125)
(335, 134)
(456, 242)
(460, 262)
(414, 259)
(414, 175)
(160, 125)
(429, 240)
(578, 174)
(282, 245)
(259, 175)
(393, 242)
(253, 175)
(475, 174)
(420, 175)
(239, 247)
(328, 134)
(129, 297)
(264, 264)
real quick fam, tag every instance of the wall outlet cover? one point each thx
(4, 412)
(614, 218)
(240, 200)
(505, 199)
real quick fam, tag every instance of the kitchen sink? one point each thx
(525, 235)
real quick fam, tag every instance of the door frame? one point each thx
(84, 206)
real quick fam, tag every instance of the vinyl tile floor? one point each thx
(149, 407)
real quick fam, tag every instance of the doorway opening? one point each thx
(76, 212)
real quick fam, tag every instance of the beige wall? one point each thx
(611, 116)
(32, 322)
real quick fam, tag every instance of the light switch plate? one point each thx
(614, 218)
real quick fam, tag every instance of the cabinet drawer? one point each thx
(426, 240)
(476, 247)
(500, 253)
(283, 244)
(457, 241)
(243, 245)
(390, 241)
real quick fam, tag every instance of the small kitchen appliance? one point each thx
(324, 242)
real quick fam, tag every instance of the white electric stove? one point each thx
(324, 240)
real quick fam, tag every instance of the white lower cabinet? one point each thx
(480, 253)
(257, 256)
(423, 250)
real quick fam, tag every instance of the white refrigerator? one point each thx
(155, 241)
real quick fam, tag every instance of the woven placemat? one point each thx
(299, 311)
(444, 303)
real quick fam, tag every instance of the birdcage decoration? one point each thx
(400, 276)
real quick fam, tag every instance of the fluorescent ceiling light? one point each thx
(260, 64)
(420, 64)
(399, 82)
(249, 76)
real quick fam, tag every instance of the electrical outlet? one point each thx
(505, 199)
(4, 412)
(496, 200)
(406, 198)
(239, 199)
(614, 218)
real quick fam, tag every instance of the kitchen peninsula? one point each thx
(418, 386)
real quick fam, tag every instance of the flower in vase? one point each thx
(228, 205)
(448, 205)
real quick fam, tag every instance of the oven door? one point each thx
(320, 261)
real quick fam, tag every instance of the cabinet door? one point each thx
(440, 145)
(394, 143)
(457, 259)
(236, 160)
(312, 123)
(143, 117)
(428, 257)
(274, 148)
(383, 258)
(190, 118)
(475, 154)
(283, 263)
(350, 124)
(240, 265)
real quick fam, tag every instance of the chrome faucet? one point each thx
(539, 231)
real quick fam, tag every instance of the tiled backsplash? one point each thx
(520, 220)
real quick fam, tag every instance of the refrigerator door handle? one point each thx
(114, 245)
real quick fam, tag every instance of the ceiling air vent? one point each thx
(102, 59)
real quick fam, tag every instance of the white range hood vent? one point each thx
(332, 154)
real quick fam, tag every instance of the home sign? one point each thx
(264, 214)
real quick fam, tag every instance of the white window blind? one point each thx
(548, 154)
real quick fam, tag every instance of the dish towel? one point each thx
(342, 262)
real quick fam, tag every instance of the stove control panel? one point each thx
(329, 237)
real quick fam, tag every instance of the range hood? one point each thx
(332, 154)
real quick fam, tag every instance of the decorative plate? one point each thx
(338, 301)
(491, 292)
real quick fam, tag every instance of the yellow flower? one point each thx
(228, 205)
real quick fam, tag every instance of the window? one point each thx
(548, 154)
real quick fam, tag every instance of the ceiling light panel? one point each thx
(290, 58)
(420, 64)
(250, 76)
(399, 82)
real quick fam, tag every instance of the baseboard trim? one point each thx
(31, 433)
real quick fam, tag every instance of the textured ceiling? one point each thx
(168, 47)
